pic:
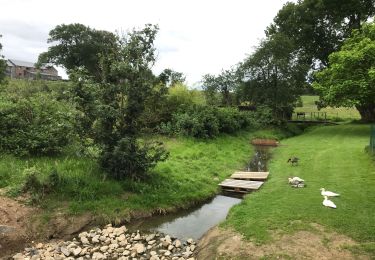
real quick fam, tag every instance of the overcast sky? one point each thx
(196, 36)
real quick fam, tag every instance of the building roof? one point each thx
(9, 64)
(43, 73)
(22, 63)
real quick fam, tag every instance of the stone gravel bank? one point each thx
(113, 243)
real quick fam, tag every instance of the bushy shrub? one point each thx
(38, 125)
(198, 121)
(131, 159)
(232, 120)
(202, 121)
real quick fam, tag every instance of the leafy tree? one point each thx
(210, 88)
(76, 45)
(273, 75)
(319, 27)
(2, 65)
(170, 77)
(349, 80)
(225, 83)
(127, 85)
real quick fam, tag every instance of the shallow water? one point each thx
(259, 161)
(194, 222)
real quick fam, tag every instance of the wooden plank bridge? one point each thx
(244, 182)
(255, 176)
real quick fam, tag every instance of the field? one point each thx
(330, 157)
(338, 113)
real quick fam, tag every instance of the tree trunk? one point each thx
(367, 112)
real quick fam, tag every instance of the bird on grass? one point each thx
(328, 193)
(293, 160)
(296, 182)
(328, 203)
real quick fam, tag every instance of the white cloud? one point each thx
(196, 37)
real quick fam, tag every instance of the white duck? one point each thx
(295, 180)
(328, 193)
(328, 203)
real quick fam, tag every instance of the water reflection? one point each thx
(189, 223)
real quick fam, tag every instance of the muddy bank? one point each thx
(21, 224)
(220, 243)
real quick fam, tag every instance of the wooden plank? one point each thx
(240, 184)
(250, 175)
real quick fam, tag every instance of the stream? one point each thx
(194, 222)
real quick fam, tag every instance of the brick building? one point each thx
(17, 69)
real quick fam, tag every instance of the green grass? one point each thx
(335, 113)
(331, 157)
(190, 175)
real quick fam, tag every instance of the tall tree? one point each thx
(77, 45)
(319, 27)
(349, 80)
(125, 89)
(273, 75)
(225, 83)
(170, 77)
(3, 64)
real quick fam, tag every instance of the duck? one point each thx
(296, 182)
(328, 193)
(293, 160)
(328, 203)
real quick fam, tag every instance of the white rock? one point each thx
(18, 256)
(122, 237)
(168, 253)
(95, 239)
(140, 248)
(98, 256)
(150, 237)
(77, 251)
(126, 253)
(137, 237)
(190, 241)
(192, 248)
(104, 249)
(84, 240)
(177, 243)
(65, 251)
(154, 257)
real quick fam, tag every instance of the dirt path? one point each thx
(227, 244)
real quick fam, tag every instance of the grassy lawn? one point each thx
(339, 113)
(187, 177)
(331, 157)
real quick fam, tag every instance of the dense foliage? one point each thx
(318, 27)
(204, 121)
(36, 125)
(78, 46)
(349, 79)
